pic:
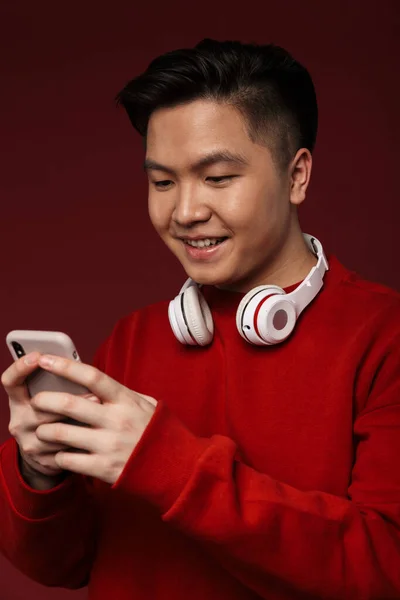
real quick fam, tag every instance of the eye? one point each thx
(165, 183)
(221, 179)
(162, 184)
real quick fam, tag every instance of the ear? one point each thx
(300, 176)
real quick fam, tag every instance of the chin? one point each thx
(209, 277)
(203, 279)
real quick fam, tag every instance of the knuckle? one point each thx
(94, 377)
(126, 425)
(58, 431)
(69, 403)
(29, 449)
(10, 376)
(5, 379)
(13, 429)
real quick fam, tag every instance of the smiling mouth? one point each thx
(204, 253)
(206, 243)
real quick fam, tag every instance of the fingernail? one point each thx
(31, 358)
(46, 361)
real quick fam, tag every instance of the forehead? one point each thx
(200, 125)
(191, 137)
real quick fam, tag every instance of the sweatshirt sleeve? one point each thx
(269, 535)
(50, 536)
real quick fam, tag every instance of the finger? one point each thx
(70, 435)
(149, 399)
(49, 466)
(91, 397)
(85, 464)
(49, 448)
(97, 382)
(48, 462)
(71, 406)
(40, 417)
(13, 378)
(32, 447)
(46, 417)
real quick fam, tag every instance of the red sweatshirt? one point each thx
(265, 472)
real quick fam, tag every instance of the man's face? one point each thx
(247, 203)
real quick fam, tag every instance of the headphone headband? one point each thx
(260, 312)
(309, 288)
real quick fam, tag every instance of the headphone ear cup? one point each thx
(177, 321)
(197, 316)
(247, 312)
(276, 320)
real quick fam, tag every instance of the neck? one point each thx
(290, 264)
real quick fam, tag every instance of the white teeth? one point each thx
(202, 243)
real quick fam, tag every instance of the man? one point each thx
(245, 440)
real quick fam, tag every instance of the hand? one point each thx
(114, 426)
(37, 456)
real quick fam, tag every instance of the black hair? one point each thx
(274, 93)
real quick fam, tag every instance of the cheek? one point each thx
(158, 213)
(255, 214)
(248, 207)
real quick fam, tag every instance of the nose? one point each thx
(190, 208)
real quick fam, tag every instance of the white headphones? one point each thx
(266, 315)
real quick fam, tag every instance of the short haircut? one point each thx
(273, 92)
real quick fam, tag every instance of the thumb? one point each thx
(149, 399)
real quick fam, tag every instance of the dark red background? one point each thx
(77, 250)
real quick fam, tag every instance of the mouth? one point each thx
(204, 242)
(204, 249)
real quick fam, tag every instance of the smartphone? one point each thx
(24, 341)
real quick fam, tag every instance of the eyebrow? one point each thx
(212, 158)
